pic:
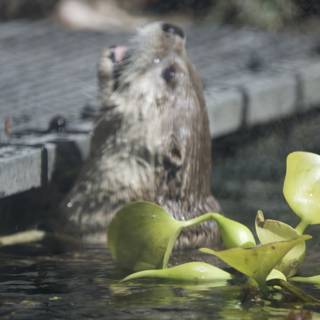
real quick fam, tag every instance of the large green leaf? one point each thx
(273, 230)
(194, 272)
(256, 262)
(142, 235)
(302, 185)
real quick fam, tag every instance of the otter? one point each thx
(151, 141)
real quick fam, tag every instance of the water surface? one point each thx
(86, 286)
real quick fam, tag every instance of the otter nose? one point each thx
(170, 28)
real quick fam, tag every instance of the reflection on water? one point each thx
(86, 286)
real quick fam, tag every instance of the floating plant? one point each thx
(257, 262)
(194, 272)
(302, 187)
(142, 235)
(274, 230)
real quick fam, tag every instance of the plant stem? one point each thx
(295, 291)
(169, 249)
(185, 224)
(23, 237)
(197, 220)
(301, 226)
(141, 274)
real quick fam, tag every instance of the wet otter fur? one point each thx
(151, 141)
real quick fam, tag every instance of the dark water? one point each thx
(248, 174)
(86, 286)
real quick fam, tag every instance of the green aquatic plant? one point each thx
(193, 272)
(257, 262)
(233, 233)
(142, 235)
(312, 279)
(276, 274)
(301, 187)
(274, 230)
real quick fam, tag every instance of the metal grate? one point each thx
(46, 70)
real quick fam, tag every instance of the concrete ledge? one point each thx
(265, 96)
(225, 110)
(307, 74)
(20, 169)
(50, 145)
(270, 98)
(310, 82)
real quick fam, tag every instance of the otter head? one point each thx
(155, 88)
(155, 123)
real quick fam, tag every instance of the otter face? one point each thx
(153, 69)
(154, 87)
(152, 43)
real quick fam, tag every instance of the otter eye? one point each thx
(169, 74)
(170, 28)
